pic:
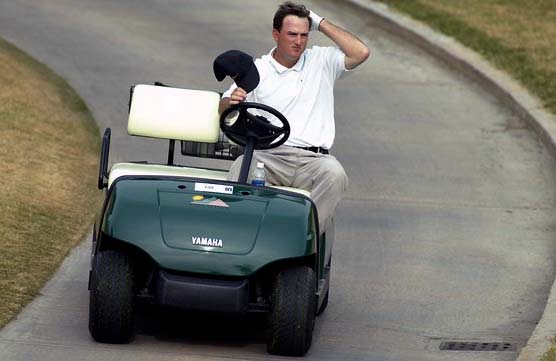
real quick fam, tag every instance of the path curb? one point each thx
(508, 91)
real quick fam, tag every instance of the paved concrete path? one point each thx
(446, 232)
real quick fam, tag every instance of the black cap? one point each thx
(238, 66)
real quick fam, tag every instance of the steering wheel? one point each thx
(256, 127)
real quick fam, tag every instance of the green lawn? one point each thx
(517, 36)
(49, 146)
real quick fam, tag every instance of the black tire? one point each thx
(112, 298)
(291, 319)
(324, 304)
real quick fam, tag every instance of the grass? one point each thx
(550, 355)
(517, 36)
(48, 151)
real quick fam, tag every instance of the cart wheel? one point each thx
(111, 302)
(324, 304)
(292, 312)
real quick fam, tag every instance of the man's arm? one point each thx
(356, 51)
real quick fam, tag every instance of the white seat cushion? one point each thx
(173, 113)
(134, 169)
(125, 169)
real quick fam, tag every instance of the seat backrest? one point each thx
(173, 113)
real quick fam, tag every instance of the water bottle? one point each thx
(258, 175)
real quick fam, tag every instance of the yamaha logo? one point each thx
(206, 241)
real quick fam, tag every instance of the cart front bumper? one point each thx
(204, 294)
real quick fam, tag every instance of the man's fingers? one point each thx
(235, 99)
(238, 95)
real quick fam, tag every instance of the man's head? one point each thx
(290, 31)
(289, 8)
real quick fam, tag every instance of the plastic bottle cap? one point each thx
(260, 165)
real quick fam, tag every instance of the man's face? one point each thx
(291, 40)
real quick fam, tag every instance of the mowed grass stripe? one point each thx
(523, 44)
(49, 146)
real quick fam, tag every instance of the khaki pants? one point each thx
(321, 174)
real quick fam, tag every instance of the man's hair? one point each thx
(289, 8)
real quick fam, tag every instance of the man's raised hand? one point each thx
(315, 20)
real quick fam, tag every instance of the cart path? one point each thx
(446, 232)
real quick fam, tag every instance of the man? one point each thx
(299, 83)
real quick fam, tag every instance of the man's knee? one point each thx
(333, 172)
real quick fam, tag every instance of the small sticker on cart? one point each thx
(212, 201)
(214, 188)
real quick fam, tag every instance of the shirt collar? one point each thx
(280, 68)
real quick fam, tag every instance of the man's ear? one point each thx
(275, 35)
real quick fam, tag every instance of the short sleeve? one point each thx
(335, 61)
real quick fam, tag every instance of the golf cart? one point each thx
(187, 238)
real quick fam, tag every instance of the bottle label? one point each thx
(258, 182)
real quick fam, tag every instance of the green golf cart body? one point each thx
(188, 238)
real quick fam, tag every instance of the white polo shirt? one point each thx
(304, 93)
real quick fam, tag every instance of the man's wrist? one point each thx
(315, 20)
